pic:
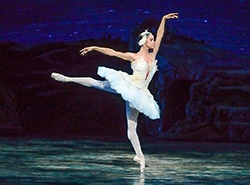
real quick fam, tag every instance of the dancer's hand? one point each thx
(85, 50)
(171, 16)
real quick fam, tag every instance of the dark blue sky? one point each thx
(223, 23)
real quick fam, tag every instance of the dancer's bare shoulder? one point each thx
(148, 58)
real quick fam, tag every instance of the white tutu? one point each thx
(138, 96)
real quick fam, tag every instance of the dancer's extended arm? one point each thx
(161, 29)
(108, 51)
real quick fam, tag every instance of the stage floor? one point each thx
(32, 161)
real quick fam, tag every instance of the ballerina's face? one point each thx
(150, 43)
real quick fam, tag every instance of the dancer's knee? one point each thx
(104, 85)
(131, 134)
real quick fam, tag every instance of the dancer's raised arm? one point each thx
(161, 29)
(108, 51)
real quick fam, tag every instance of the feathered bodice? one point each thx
(142, 72)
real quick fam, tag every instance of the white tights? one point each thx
(131, 113)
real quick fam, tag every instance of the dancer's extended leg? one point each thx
(132, 115)
(86, 81)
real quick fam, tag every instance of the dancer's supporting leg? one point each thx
(132, 115)
(86, 81)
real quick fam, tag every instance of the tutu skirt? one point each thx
(138, 97)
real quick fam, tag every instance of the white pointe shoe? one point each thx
(59, 77)
(140, 160)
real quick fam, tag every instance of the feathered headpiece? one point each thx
(143, 37)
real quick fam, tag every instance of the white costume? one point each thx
(134, 88)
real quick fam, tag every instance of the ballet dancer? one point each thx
(133, 88)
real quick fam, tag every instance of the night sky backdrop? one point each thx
(222, 23)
